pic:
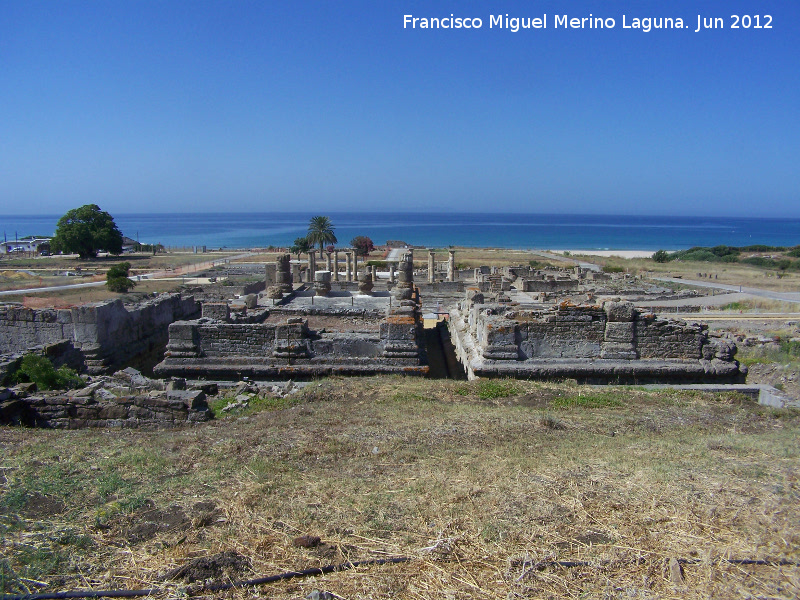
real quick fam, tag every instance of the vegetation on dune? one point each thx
(733, 254)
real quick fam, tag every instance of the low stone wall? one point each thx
(75, 412)
(550, 285)
(615, 342)
(109, 334)
(206, 348)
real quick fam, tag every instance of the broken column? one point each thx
(349, 266)
(404, 290)
(431, 266)
(283, 275)
(365, 284)
(327, 261)
(322, 283)
(391, 273)
(451, 265)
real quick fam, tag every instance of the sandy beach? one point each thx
(607, 253)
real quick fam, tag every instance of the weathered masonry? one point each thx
(614, 342)
(109, 334)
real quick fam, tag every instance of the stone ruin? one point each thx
(609, 343)
(217, 348)
(125, 400)
(358, 324)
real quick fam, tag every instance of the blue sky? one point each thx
(170, 106)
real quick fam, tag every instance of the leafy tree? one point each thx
(362, 246)
(85, 231)
(661, 256)
(320, 231)
(301, 246)
(117, 278)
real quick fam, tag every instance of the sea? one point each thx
(437, 230)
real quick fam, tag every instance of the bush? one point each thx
(661, 256)
(40, 370)
(117, 278)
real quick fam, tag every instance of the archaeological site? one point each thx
(153, 364)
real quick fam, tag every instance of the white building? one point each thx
(29, 243)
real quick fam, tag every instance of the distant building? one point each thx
(29, 243)
(128, 245)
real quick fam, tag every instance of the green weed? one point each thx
(590, 400)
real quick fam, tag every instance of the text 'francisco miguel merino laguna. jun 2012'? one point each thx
(643, 24)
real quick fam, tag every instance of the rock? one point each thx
(23, 389)
(676, 572)
(176, 383)
(319, 595)
(306, 541)
(226, 565)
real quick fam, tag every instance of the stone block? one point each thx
(618, 351)
(620, 332)
(619, 312)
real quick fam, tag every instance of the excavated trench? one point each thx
(442, 361)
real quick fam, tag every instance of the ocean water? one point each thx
(535, 231)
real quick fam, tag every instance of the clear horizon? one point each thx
(207, 106)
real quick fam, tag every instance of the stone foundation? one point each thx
(599, 344)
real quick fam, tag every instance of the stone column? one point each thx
(348, 276)
(327, 261)
(391, 272)
(404, 290)
(322, 283)
(451, 265)
(283, 274)
(365, 284)
(431, 266)
(336, 265)
(312, 265)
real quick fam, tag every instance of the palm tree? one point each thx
(320, 231)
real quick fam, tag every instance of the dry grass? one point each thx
(468, 258)
(726, 273)
(480, 484)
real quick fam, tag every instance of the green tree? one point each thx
(85, 231)
(117, 278)
(362, 246)
(301, 246)
(320, 231)
(661, 256)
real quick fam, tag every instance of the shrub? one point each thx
(661, 256)
(39, 370)
(117, 278)
(612, 269)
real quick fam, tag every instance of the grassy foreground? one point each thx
(481, 483)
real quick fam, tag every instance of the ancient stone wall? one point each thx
(550, 285)
(290, 349)
(615, 342)
(109, 334)
(75, 412)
